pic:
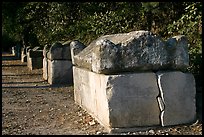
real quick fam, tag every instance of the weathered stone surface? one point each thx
(46, 50)
(179, 97)
(35, 53)
(117, 101)
(23, 55)
(59, 72)
(76, 47)
(66, 50)
(45, 64)
(35, 63)
(34, 58)
(57, 65)
(134, 51)
(142, 99)
(55, 51)
(45, 68)
(59, 52)
(178, 51)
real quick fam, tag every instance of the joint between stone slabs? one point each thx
(160, 98)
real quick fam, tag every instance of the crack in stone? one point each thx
(160, 99)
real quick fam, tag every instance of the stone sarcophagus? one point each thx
(57, 64)
(23, 55)
(34, 58)
(134, 80)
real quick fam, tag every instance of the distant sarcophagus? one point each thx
(57, 64)
(34, 58)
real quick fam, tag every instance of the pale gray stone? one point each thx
(46, 50)
(66, 52)
(178, 52)
(23, 55)
(134, 51)
(117, 101)
(34, 58)
(59, 52)
(59, 72)
(76, 47)
(55, 51)
(35, 53)
(45, 59)
(45, 68)
(35, 63)
(179, 97)
(57, 65)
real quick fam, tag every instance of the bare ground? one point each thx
(30, 106)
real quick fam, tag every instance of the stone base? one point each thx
(129, 101)
(45, 67)
(35, 63)
(59, 72)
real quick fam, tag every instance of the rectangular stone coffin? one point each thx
(118, 101)
(35, 59)
(59, 71)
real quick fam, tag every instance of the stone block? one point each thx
(130, 52)
(23, 55)
(35, 53)
(45, 68)
(66, 52)
(46, 50)
(178, 52)
(35, 63)
(45, 61)
(118, 101)
(59, 52)
(76, 47)
(136, 100)
(59, 72)
(179, 93)
(34, 59)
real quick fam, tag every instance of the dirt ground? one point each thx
(30, 106)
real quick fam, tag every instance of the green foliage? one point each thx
(10, 25)
(190, 25)
(7, 42)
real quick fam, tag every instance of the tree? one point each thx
(190, 24)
